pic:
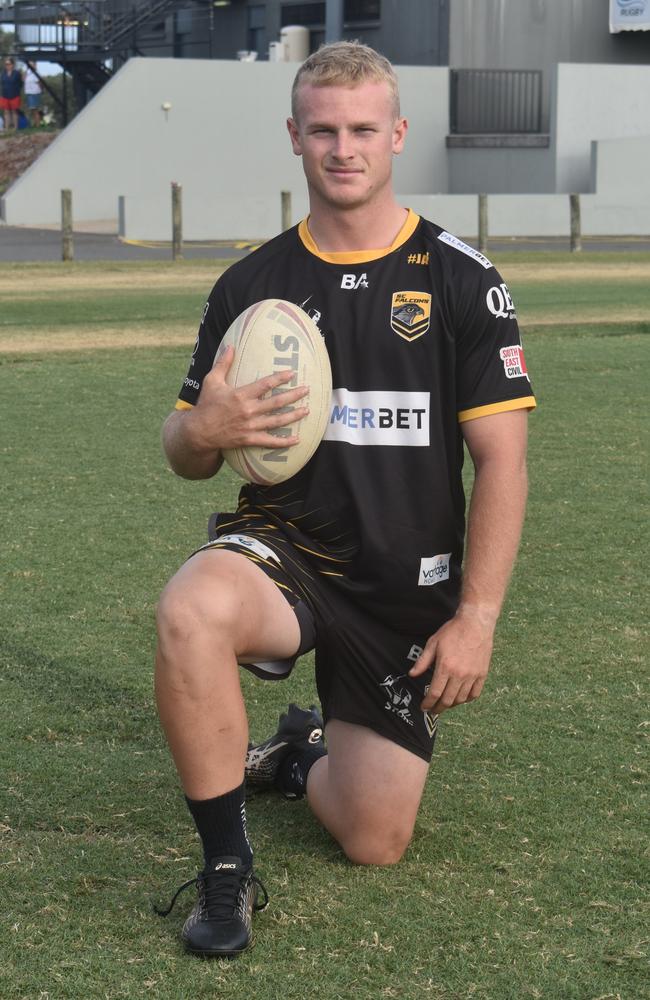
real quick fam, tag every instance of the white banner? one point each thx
(378, 417)
(629, 15)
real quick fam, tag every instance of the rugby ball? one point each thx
(272, 336)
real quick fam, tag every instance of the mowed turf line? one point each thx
(526, 874)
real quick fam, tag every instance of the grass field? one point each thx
(527, 876)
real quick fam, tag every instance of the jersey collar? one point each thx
(359, 256)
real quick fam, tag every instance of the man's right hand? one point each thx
(225, 417)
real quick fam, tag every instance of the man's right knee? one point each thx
(187, 610)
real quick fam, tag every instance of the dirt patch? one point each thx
(18, 152)
(583, 271)
(581, 317)
(19, 342)
(34, 283)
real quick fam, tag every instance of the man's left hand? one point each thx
(460, 653)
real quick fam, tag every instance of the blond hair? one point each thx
(345, 64)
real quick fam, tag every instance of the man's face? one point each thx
(347, 137)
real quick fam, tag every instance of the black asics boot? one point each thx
(220, 923)
(299, 729)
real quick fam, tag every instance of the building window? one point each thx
(307, 14)
(256, 27)
(355, 11)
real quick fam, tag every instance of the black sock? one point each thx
(295, 768)
(221, 823)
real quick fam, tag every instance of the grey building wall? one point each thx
(588, 103)
(409, 32)
(538, 34)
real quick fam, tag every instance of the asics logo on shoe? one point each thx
(315, 736)
(221, 865)
(256, 754)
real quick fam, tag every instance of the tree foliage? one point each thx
(7, 39)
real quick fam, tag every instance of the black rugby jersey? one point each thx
(421, 337)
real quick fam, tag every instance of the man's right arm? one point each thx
(225, 417)
(186, 450)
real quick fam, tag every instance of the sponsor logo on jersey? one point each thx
(418, 258)
(379, 418)
(410, 314)
(465, 248)
(434, 569)
(414, 652)
(514, 363)
(354, 281)
(399, 698)
(191, 383)
(246, 542)
(205, 312)
(500, 303)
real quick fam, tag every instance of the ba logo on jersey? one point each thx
(410, 314)
(354, 281)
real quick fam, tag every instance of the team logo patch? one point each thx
(410, 314)
(398, 698)
(514, 364)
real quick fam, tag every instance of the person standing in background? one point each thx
(11, 85)
(33, 95)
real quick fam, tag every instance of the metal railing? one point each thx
(495, 101)
(85, 27)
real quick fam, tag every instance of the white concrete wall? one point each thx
(535, 215)
(595, 102)
(224, 140)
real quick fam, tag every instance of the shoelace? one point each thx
(218, 893)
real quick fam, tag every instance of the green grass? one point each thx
(528, 870)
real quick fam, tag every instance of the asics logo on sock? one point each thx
(315, 736)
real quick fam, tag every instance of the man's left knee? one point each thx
(382, 848)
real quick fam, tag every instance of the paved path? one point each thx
(18, 244)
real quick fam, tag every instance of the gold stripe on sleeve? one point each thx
(182, 405)
(524, 403)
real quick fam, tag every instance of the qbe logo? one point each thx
(499, 302)
(434, 569)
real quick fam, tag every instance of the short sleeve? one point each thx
(491, 373)
(217, 317)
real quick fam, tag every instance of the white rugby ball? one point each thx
(272, 336)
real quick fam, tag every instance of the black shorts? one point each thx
(361, 664)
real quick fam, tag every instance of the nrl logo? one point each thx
(410, 314)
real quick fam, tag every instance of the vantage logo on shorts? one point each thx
(379, 418)
(410, 314)
(514, 364)
(434, 569)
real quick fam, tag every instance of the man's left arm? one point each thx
(461, 649)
